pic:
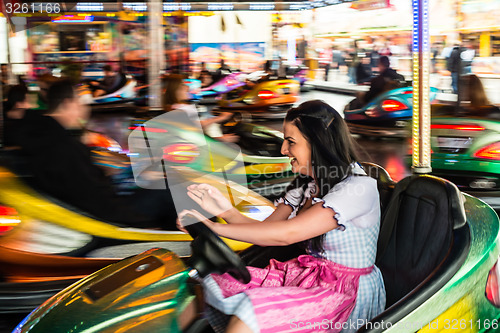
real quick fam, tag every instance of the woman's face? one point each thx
(297, 148)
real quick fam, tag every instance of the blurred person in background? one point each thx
(454, 65)
(386, 80)
(63, 167)
(434, 54)
(374, 57)
(473, 94)
(176, 97)
(337, 59)
(281, 71)
(108, 83)
(351, 62)
(224, 68)
(364, 71)
(385, 50)
(253, 79)
(4, 74)
(266, 74)
(14, 109)
(205, 76)
(467, 56)
(268, 70)
(301, 47)
(325, 62)
(4, 79)
(222, 71)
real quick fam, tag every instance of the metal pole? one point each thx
(9, 66)
(458, 109)
(119, 43)
(2, 120)
(156, 53)
(421, 103)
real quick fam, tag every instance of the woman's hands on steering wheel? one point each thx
(209, 198)
(195, 214)
(209, 252)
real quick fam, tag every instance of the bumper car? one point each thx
(265, 170)
(269, 99)
(388, 115)
(46, 244)
(443, 276)
(122, 97)
(225, 84)
(466, 147)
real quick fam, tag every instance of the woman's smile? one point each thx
(297, 148)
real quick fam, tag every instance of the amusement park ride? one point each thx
(427, 289)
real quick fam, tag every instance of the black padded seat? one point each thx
(417, 232)
(385, 184)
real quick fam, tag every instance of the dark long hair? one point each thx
(332, 148)
(172, 84)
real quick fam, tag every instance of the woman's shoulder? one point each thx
(357, 184)
(354, 197)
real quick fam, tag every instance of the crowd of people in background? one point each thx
(360, 64)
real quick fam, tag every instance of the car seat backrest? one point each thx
(385, 184)
(417, 232)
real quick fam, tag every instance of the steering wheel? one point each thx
(211, 255)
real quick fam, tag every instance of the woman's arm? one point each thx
(214, 202)
(233, 216)
(313, 222)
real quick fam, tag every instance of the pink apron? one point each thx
(306, 294)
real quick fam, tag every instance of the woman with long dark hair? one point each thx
(333, 207)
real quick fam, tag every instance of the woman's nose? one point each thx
(284, 148)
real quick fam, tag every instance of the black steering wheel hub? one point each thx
(211, 255)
